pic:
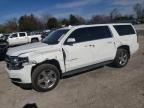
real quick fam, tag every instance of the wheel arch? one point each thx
(52, 61)
(126, 47)
(35, 38)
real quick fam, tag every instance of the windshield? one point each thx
(55, 36)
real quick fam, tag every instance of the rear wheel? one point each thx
(34, 40)
(45, 77)
(121, 58)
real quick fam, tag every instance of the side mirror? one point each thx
(71, 40)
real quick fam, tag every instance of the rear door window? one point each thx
(124, 30)
(22, 34)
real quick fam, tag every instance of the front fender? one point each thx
(42, 57)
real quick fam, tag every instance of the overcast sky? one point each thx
(63, 8)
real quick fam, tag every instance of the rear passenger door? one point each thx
(102, 43)
(22, 38)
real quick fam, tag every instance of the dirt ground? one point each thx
(105, 87)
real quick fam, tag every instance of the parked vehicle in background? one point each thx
(3, 49)
(47, 30)
(71, 50)
(35, 33)
(45, 33)
(4, 37)
(1, 34)
(22, 38)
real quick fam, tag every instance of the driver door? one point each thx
(13, 39)
(78, 53)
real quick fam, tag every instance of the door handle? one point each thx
(92, 45)
(89, 46)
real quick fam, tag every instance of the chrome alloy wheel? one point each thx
(47, 79)
(123, 58)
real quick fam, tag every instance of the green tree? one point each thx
(1, 29)
(10, 26)
(73, 20)
(65, 22)
(52, 23)
(29, 23)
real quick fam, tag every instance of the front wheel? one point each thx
(45, 77)
(121, 58)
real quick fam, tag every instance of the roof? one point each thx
(80, 26)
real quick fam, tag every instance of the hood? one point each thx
(16, 51)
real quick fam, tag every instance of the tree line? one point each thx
(32, 23)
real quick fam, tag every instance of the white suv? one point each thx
(71, 50)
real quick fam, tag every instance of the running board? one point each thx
(80, 70)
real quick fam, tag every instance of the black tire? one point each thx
(122, 58)
(38, 72)
(34, 40)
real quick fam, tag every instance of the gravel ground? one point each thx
(105, 87)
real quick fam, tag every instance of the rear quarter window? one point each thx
(124, 30)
